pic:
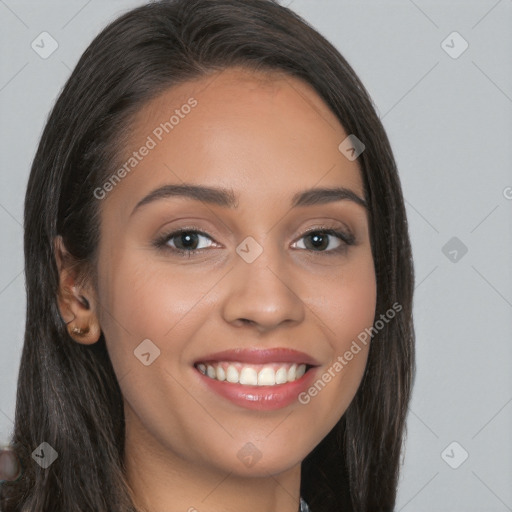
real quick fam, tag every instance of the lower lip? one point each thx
(261, 398)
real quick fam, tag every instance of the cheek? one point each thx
(357, 315)
(349, 313)
(143, 301)
(358, 301)
(137, 304)
(350, 301)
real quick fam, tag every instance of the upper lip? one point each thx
(261, 356)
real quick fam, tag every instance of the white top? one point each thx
(303, 506)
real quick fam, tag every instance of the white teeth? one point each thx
(232, 374)
(292, 373)
(281, 376)
(221, 374)
(301, 370)
(248, 376)
(267, 377)
(253, 375)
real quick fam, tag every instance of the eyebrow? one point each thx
(226, 198)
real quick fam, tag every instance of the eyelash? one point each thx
(347, 239)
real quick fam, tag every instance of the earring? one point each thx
(78, 331)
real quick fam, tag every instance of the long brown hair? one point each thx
(68, 395)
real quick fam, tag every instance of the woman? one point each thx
(219, 276)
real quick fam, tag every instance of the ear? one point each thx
(76, 297)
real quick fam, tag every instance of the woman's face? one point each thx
(267, 291)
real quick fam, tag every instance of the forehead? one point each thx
(257, 133)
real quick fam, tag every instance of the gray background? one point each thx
(450, 124)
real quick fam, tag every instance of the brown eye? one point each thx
(184, 241)
(326, 240)
(318, 241)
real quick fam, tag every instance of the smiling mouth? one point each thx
(269, 374)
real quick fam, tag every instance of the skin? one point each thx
(9, 465)
(266, 137)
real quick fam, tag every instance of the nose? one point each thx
(262, 294)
